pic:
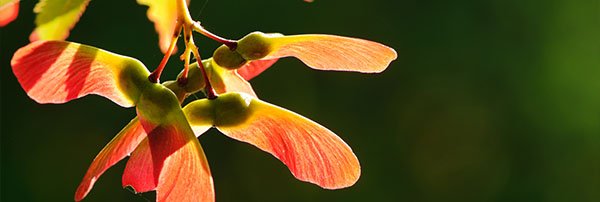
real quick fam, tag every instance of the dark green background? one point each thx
(494, 100)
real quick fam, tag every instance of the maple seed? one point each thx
(229, 109)
(254, 46)
(194, 82)
(226, 58)
(232, 109)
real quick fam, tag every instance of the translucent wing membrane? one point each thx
(58, 71)
(185, 176)
(312, 152)
(225, 81)
(139, 172)
(254, 68)
(329, 52)
(170, 160)
(118, 148)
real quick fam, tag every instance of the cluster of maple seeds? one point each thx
(164, 153)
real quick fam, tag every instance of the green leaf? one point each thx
(55, 18)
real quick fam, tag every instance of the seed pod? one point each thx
(227, 58)
(256, 45)
(229, 109)
(195, 81)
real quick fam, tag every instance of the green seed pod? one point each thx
(195, 81)
(200, 112)
(232, 109)
(229, 109)
(226, 58)
(157, 104)
(254, 46)
(178, 90)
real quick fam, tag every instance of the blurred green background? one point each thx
(494, 100)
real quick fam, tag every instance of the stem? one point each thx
(229, 43)
(210, 91)
(189, 25)
(189, 43)
(183, 14)
(181, 81)
(155, 76)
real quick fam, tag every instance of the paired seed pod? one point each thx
(229, 109)
(254, 46)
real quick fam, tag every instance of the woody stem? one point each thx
(210, 91)
(229, 43)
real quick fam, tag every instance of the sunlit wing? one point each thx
(178, 169)
(139, 172)
(254, 68)
(118, 148)
(59, 71)
(312, 152)
(329, 52)
(225, 81)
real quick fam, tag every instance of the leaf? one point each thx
(329, 52)
(59, 71)
(312, 152)
(254, 68)
(55, 18)
(118, 148)
(163, 13)
(9, 10)
(178, 169)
